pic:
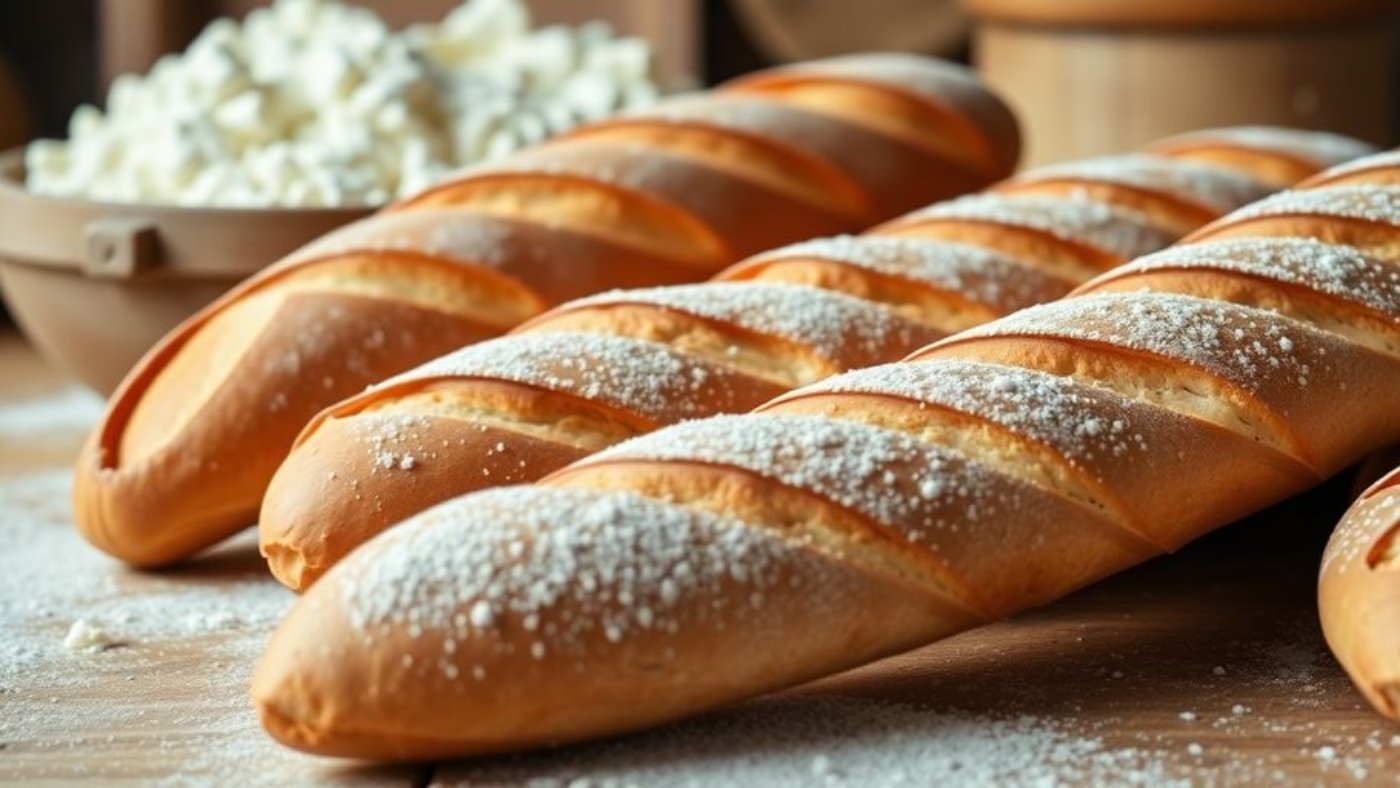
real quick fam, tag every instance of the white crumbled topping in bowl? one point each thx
(315, 103)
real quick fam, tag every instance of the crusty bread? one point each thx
(1381, 170)
(575, 380)
(1277, 156)
(1359, 594)
(771, 319)
(192, 437)
(1177, 195)
(997, 469)
(1359, 587)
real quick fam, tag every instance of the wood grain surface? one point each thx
(1202, 668)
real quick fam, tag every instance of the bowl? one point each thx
(94, 284)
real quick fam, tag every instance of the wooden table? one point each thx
(1207, 667)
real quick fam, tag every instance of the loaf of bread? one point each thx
(1359, 587)
(877, 510)
(517, 408)
(1280, 157)
(1359, 594)
(191, 438)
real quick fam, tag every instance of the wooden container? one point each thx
(1089, 77)
(14, 115)
(136, 32)
(95, 284)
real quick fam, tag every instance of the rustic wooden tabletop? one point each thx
(1203, 668)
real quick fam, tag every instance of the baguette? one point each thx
(1358, 594)
(191, 438)
(1359, 584)
(1277, 156)
(778, 320)
(866, 514)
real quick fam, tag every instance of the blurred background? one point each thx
(88, 259)
(62, 53)
(1088, 76)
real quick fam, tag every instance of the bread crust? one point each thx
(875, 166)
(1359, 594)
(992, 471)
(929, 94)
(192, 437)
(568, 692)
(752, 321)
(1280, 157)
(203, 482)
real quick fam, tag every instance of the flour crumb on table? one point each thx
(87, 636)
(69, 410)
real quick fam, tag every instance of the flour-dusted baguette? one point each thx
(1274, 155)
(191, 438)
(1359, 594)
(1359, 584)
(1170, 191)
(576, 380)
(470, 421)
(997, 469)
(1383, 169)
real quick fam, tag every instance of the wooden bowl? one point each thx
(1089, 77)
(94, 284)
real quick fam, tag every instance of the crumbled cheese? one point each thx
(315, 103)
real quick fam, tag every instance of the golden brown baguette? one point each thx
(1277, 156)
(576, 380)
(469, 422)
(1359, 594)
(997, 469)
(193, 435)
(1383, 169)
(1359, 585)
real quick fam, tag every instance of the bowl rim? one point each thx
(123, 240)
(13, 186)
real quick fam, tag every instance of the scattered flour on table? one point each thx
(40, 599)
(61, 601)
(64, 607)
(73, 409)
(801, 741)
